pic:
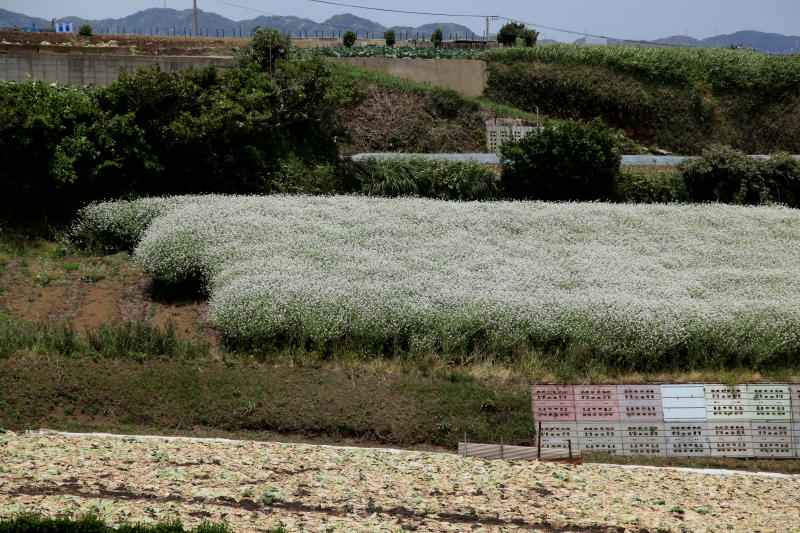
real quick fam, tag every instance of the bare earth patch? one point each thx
(255, 486)
(91, 291)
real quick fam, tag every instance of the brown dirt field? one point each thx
(160, 44)
(87, 291)
(145, 44)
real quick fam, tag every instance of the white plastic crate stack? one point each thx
(642, 420)
(771, 420)
(597, 415)
(729, 411)
(499, 131)
(794, 398)
(554, 405)
(691, 420)
(685, 424)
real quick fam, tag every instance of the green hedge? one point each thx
(643, 185)
(30, 523)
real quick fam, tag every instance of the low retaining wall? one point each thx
(85, 69)
(467, 76)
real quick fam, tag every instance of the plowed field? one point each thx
(255, 486)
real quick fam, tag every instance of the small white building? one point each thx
(64, 27)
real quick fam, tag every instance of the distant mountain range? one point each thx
(773, 43)
(148, 19)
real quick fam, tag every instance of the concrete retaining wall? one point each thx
(467, 76)
(78, 69)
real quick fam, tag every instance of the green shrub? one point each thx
(266, 49)
(722, 174)
(85, 30)
(160, 133)
(512, 31)
(349, 38)
(782, 173)
(447, 103)
(431, 178)
(568, 161)
(436, 38)
(389, 36)
(31, 523)
(641, 185)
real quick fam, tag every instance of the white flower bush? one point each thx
(639, 281)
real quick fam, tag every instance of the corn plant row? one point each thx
(636, 282)
(721, 68)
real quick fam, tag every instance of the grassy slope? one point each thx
(324, 403)
(402, 115)
(680, 99)
(399, 115)
(351, 73)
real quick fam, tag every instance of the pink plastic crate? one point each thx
(553, 403)
(640, 402)
(596, 403)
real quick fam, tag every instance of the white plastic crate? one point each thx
(687, 438)
(794, 398)
(683, 402)
(643, 438)
(600, 437)
(727, 402)
(769, 401)
(556, 434)
(730, 438)
(772, 439)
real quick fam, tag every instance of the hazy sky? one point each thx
(631, 19)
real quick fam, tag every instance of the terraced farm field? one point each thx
(258, 486)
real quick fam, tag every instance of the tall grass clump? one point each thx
(140, 341)
(17, 336)
(643, 287)
(430, 178)
(131, 340)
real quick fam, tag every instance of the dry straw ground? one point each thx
(255, 486)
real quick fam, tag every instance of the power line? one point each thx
(584, 34)
(324, 25)
(399, 10)
(552, 28)
(245, 7)
(388, 10)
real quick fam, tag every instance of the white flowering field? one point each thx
(630, 281)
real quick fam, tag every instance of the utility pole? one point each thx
(196, 27)
(486, 36)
